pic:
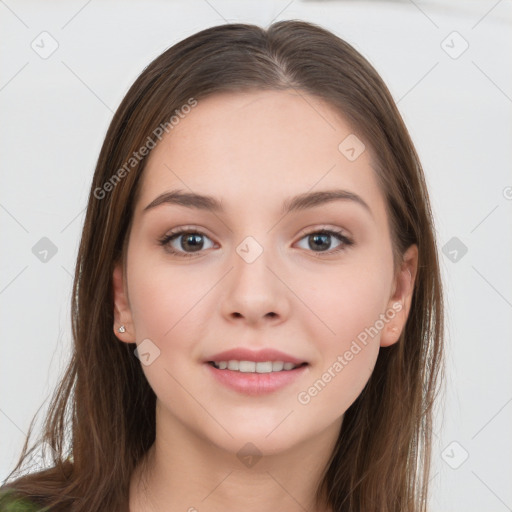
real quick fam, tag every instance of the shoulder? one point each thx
(9, 502)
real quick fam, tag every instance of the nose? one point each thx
(255, 292)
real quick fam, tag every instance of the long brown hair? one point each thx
(101, 420)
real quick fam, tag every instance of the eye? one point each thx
(320, 239)
(192, 241)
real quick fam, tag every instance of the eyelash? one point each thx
(164, 241)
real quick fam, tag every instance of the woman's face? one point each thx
(254, 275)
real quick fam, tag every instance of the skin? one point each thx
(253, 150)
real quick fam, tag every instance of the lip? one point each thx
(256, 383)
(260, 356)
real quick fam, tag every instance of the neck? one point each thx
(184, 472)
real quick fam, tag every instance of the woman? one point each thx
(257, 312)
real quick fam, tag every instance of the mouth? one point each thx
(256, 378)
(255, 372)
(256, 366)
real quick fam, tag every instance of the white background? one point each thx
(55, 113)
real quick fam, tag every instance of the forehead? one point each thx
(260, 146)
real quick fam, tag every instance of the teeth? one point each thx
(233, 365)
(277, 366)
(246, 366)
(253, 367)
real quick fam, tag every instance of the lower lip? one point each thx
(256, 383)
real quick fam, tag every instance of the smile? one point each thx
(255, 367)
(255, 378)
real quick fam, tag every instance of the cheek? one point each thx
(346, 326)
(346, 356)
(335, 387)
(343, 303)
(166, 308)
(163, 301)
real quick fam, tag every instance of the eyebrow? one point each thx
(297, 203)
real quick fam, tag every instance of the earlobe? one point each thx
(400, 301)
(123, 324)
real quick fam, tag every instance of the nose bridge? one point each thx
(252, 257)
(254, 291)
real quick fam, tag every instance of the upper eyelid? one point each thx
(323, 227)
(177, 232)
(302, 232)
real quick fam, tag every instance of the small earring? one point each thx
(122, 329)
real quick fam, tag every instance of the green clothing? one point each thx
(8, 503)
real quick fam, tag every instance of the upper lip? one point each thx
(244, 354)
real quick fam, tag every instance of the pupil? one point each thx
(319, 240)
(316, 237)
(193, 241)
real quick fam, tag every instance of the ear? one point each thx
(122, 312)
(401, 298)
